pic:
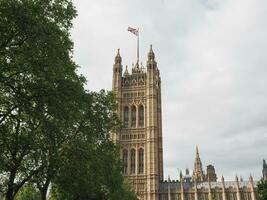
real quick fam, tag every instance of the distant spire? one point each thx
(118, 57)
(198, 172)
(264, 164)
(197, 152)
(151, 54)
(126, 71)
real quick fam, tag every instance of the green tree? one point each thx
(51, 129)
(91, 159)
(28, 192)
(262, 189)
(38, 86)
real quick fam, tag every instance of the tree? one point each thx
(51, 129)
(91, 159)
(262, 189)
(37, 81)
(28, 192)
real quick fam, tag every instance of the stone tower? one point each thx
(264, 170)
(211, 174)
(139, 108)
(198, 174)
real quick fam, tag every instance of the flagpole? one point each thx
(138, 45)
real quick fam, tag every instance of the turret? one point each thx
(151, 62)
(116, 87)
(211, 175)
(117, 72)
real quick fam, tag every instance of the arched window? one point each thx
(126, 116)
(141, 116)
(125, 161)
(132, 161)
(141, 161)
(133, 117)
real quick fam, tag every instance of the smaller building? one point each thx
(204, 186)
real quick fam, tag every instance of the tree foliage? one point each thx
(28, 192)
(51, 129)
(262, 189)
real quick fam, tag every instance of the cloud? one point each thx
(212, 59)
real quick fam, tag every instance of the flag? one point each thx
(133, 30)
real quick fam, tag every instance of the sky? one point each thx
(213, 64)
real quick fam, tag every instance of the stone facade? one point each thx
(139, 108)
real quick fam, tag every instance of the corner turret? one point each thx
(117, 73)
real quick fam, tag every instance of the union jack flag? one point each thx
(133, 30)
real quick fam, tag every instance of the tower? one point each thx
(211, 175)
(198, 174)
(139, 108)
(264, 170)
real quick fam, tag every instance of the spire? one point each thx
(197, 152)
(118, 57)
(126, 71)
(222, 179)
(198, 172)
(151, 54)
(264, 164)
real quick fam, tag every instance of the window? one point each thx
(249, 196)
(133, 117)
(132, 161)
(126, 116)
(235, 196)
(141, 161)
(125, 160)
(141, 116)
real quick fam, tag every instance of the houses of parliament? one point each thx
(139, 108)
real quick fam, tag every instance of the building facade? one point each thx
(139, 108)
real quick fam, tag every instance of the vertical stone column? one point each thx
(182, 188)
(196, 197)
(223, 189)
(210, 192)
(237, 188)
(253, 194)
(169, 188)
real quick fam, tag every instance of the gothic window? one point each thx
(220, 196)
(228, 196)
(125, 160)
(133, 117)
(141, 116)
(126, 116)
(141, 161)
(132, 161)
(235, 197)
(249, 196)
